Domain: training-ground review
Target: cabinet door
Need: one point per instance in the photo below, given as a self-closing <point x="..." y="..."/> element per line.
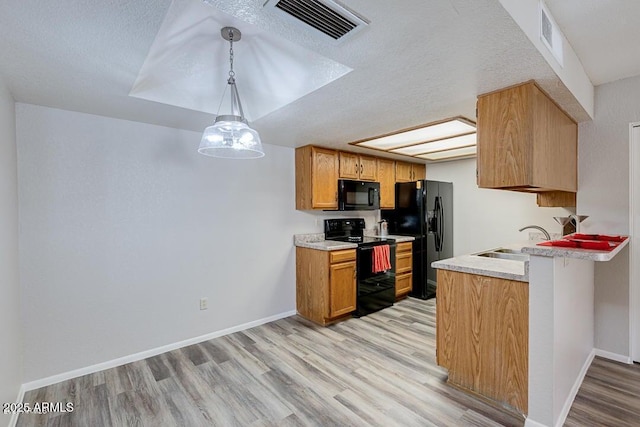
<point x="504" y="134"/>
<point x="404" y="172"/>
<point x="324" y="179"/>
<point x="387" y="179"/>
<point x="368" y="168"/>
<point x="342" y="288"/>
<point x="404" y="283"/>
<point x="349" y="166"/>
<point x="482" y="326"/>
<point x="419" y="171"/>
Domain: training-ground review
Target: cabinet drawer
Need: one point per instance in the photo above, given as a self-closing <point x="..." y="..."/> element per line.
<point x="404" y="246"/>
<point x="341" y="256"/>
<point x="404" y="283"/>
<point x="404" y="262"/>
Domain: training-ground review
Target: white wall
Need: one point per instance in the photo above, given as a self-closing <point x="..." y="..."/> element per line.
<point x="572" y="74"/>
<point x="10" y="319"/>
<point x="561" y="318"/>
<point x="125" y="227"/>
<point x="603" y="194"/>
<point x="483" y="218"/>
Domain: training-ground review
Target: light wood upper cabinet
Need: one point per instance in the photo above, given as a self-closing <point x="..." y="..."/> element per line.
<point x="419" y="171"/>
<point x="325" y="284"/>
<point x="387" y="179"/>
<point x="408" y="172"/>
<point x="318" y="170"/>
<point x="316" y="178"/>
<point x="358" y="167"/>
<point x="368" y="168"/>
<point x="525" y="142"/>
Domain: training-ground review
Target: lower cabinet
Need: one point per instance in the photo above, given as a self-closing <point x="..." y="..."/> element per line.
<point x="482" y="335"/>
<point x="404" y="268"/>
<point x="325" y="284"/>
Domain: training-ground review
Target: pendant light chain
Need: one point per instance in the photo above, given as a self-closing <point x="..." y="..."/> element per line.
<point x="231" y="72"/>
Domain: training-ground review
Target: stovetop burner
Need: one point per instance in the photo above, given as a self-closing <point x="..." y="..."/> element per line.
<point x="351" y="230"/>
<point x="361" y="239"/>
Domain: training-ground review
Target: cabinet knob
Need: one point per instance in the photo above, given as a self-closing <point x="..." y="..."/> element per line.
<point x="360" y="168"/>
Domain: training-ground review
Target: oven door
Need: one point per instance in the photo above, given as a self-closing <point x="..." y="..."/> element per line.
<point x="358" y="195"/>
<point x="375" y="290"/>
<point x="365" y="264"/>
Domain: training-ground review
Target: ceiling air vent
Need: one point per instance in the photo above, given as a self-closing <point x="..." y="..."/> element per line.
<point x="550" y="34"/>
<point x="325" y="16"/>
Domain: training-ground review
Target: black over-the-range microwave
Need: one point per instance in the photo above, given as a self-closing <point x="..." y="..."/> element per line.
<point x="358" y="195"/>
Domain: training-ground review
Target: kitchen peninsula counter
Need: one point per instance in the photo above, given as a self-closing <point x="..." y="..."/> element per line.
<point x="575" y="253"/>
<point x="541" y="333"/>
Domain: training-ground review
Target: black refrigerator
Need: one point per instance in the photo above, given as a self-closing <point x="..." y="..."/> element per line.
<point x="424" y="210"/>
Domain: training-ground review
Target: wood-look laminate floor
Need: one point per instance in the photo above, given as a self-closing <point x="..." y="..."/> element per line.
<point x="377" y="370"/>
<point x="609" y="396"/>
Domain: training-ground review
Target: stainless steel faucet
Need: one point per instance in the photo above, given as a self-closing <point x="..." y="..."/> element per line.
<point x="537" y="227"/>
<point x="577" y="219"/>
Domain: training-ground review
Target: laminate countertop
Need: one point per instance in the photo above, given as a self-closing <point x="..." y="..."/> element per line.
<point x="492" y="267"/>
<point x="586" y="254"/>
<point x="317" y="241"/>
<point x="519" y="270"/>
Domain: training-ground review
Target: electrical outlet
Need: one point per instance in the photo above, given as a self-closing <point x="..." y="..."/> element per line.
<point x="204" y="303"/>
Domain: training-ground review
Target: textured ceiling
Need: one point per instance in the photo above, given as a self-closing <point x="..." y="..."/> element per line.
<point x="188" y="64"/>
<point x="418" y="61"/>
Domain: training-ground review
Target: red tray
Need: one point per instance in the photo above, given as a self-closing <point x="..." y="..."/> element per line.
<point x="598" y="242"/>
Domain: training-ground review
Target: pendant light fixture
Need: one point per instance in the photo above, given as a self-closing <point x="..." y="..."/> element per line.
<point x="230" y="136"/>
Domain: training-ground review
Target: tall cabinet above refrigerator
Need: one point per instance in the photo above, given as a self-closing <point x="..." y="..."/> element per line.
<point x="424" y="210"/>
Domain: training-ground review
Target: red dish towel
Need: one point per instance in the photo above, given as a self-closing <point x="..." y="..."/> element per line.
<point x="381" y="260"/>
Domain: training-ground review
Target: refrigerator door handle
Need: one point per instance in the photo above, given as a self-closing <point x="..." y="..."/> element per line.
<point x="438" y="233"/>
<point x="441" y="224"/>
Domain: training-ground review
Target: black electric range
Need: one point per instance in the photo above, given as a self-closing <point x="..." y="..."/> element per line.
<point x="375" y="290"/>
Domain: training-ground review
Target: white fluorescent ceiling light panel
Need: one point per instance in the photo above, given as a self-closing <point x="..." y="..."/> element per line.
<point x="188" y="64"/>
<point x="450" y="154"/>
<point x="451" y="138"/>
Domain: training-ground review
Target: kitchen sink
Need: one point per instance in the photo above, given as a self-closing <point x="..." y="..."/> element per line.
<point x="508" y="251"/>
<point x="503" y="254"/>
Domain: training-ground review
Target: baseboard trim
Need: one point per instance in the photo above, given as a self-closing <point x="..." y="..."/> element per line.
<point x="14" y="417"/>
<point x="530" y="423"/>
<point x="32" y="385"/>
<point x="614" y="356"/>
<point x="574" y="390"/>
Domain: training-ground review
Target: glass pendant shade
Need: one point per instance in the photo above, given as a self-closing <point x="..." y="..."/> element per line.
<point x="230" y="136"/>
